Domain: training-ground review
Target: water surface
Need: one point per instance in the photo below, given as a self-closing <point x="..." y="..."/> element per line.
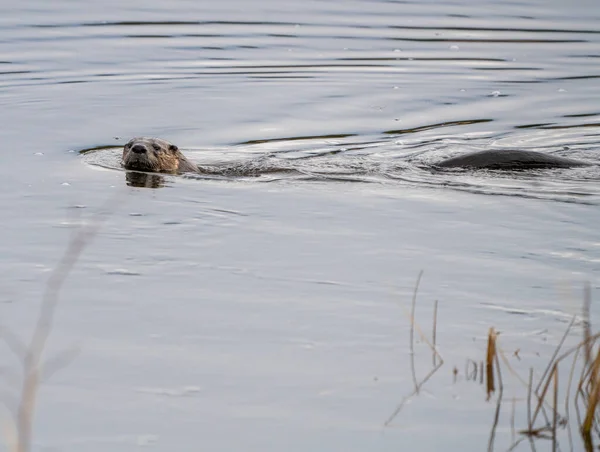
<point x="262" y="306"/>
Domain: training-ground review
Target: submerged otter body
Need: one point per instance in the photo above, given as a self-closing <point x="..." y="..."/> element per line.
<point x="155" y="155"/>
<point x="509" y="160"/>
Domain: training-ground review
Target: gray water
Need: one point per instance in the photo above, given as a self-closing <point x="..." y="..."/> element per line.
<point x="263" y="307"/>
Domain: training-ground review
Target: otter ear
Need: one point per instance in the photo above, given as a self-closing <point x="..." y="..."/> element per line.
<point x="173" y="148"/>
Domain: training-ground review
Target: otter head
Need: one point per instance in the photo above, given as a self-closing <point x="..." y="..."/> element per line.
<point x="152" y="155"/>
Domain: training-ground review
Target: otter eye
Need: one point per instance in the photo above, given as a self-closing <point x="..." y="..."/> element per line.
<point x="173" y="148"/>
<point x="156" y="147"/>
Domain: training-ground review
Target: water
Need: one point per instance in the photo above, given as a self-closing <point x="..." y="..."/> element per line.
<point x="263" y="307"/>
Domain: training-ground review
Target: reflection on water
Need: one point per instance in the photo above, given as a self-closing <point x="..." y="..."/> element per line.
<point x="144" y="180"/>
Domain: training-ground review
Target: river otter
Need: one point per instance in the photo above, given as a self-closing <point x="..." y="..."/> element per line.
<point x="155" y="155"/>
<point x="507" y="159"/>
<point x="160" y="156"/>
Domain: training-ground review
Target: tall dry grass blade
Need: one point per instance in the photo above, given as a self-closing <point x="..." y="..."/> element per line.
<point x="587" y="329"/>
<point x="593" y="401"/>
<point x="555" y="354"/>
<point x="418" y="385"/>
<point x="579" y="406"/>
<point x="580" y="392"/>
<point x="541" y="398"/>
<point x="489" y="362"/>
<point x="592" y="339"/>
<point x="32" y="355"/>
<point x="589" y="385"/>
<point x="498" y="403"/>
<point x="550" y="367"/>
<point x="567" y="397"/>
<point x="529" y="418"/>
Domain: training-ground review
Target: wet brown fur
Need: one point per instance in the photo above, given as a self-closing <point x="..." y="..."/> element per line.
<point x="156" y="156"/>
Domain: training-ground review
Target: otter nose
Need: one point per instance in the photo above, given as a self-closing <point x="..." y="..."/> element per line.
<point x="138" y="149"/>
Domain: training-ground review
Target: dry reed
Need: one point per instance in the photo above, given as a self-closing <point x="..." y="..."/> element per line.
<point x="18" y="426"/>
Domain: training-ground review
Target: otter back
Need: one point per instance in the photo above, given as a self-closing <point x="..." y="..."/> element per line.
<point x="509" y="160"/>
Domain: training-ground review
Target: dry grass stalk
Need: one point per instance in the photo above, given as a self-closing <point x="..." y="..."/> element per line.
<point x="412" y="331"/>
<point x="585" y="357"/>
<point x="542" y="397"/>
<point x="567" y="397"/>
<point x="593" y="380"/>
<point x="440" y="361"/>
<point x="489" y="362"/>
<point x="18" y="430"/>
<point x="494" y="360"/>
